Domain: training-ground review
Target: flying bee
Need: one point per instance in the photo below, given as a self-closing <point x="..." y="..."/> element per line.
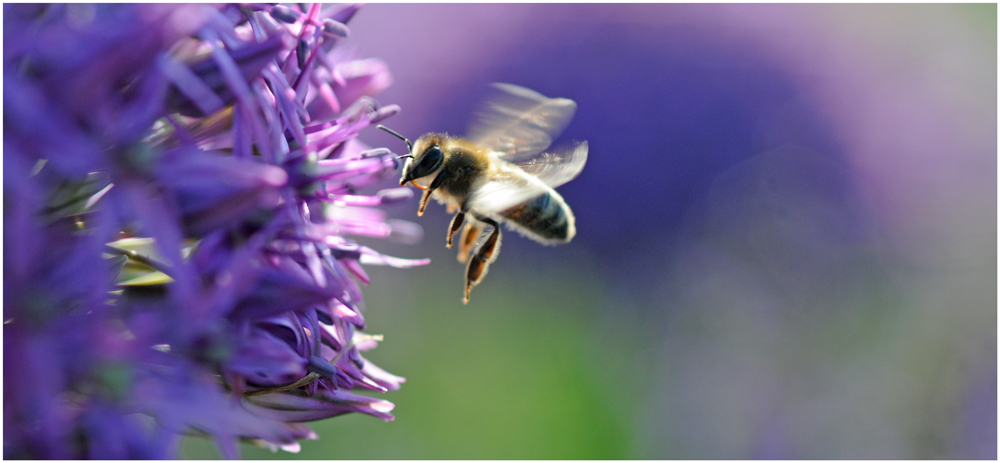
<point x="500" y="173"/>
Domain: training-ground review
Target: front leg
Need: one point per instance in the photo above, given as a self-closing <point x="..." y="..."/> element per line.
<point x="427" y="192"/>
<point x="480" y="262"/>
<point x="423" y="202"/>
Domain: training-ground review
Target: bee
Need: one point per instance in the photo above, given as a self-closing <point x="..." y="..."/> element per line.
<point x="500" y="173"/>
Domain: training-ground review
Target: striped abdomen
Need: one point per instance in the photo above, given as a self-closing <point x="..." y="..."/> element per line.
<point x="546" y="218"/>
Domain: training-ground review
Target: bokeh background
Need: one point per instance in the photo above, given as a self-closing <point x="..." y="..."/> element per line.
<point x="786" y="239"/>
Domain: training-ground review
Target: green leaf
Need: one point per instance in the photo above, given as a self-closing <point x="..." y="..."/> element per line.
<point x="117" y="263"/>
<point x="144" y="246"/>
<point x="73" y="198"/>
<point x="152" y="278"/>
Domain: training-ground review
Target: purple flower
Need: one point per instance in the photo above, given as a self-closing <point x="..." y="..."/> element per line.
<point x="181" y="183"/>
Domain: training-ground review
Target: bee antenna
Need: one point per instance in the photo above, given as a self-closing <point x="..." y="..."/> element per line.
<point x="393" y="132"/>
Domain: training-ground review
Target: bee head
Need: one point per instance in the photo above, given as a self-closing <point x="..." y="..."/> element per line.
<point x="426" y="159"/>
<point x="423" y="162"/>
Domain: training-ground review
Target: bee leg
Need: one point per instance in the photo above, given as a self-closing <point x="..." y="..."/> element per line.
<point x="423" y="201"/>
<point x="430" y="189"/>
<point x="480" y="262"/>
<point x="470" y="234"/>
<point x="456" y="222"/>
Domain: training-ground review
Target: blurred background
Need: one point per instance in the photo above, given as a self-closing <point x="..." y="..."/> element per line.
<point x="786" y="239"/>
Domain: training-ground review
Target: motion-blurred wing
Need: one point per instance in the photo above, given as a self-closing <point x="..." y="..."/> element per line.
<point x="507" y="189"/>
<point x="557" y="167"/>
<point x="518" y="123"/>
<point x="511" y="186"/>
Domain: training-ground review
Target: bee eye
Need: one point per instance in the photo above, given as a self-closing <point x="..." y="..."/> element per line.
<point x="429" y="162"/>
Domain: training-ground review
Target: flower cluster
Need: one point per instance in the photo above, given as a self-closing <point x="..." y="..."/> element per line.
<point x="179" y="185"/>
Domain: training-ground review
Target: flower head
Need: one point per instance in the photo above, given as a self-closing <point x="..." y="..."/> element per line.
<point x="176" y="226"/>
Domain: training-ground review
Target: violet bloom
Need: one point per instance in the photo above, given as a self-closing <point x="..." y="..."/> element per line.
<point x="180" y="182"/>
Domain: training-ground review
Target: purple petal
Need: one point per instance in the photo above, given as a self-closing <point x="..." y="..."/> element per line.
<point x="335" y="28"/>
<point x="189" y="89"/>
<point x="355" y="268"/>
<point x="343" y="12"/>
<point x="367" y="77"/>
<point x="266" y="360"/>
<point x="381" y="377"/>
<point x="42" y="130"/>
<point x="202" y="88"/>
<point x="280" y="291"/>
<point x="214" y="190"/>
<point x="23" y="232"/>
<point x="295" y="407"/>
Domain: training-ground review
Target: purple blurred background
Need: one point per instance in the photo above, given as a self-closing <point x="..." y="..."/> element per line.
<point x="786" y="224"/>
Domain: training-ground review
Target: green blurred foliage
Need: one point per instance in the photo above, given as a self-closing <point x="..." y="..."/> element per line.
<point x="982" y="16"/>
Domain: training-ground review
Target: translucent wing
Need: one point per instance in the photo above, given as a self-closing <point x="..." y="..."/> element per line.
<point x="507" y="188"/>
<point x="518" y="123"/>
<point x="557" y="167"/>
<point x="514" y="184"/>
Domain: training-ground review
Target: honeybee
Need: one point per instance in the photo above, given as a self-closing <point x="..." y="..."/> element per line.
<point x="500" y="173"/>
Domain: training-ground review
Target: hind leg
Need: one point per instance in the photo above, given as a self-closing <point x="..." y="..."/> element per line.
<point x="480" y="261"/>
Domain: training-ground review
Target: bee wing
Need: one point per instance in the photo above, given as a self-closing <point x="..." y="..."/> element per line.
<point x="507" y="188"/>
<point x="510" y="186"/>
<point x="557" y="167"/>
<point x="519" y="123"/>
